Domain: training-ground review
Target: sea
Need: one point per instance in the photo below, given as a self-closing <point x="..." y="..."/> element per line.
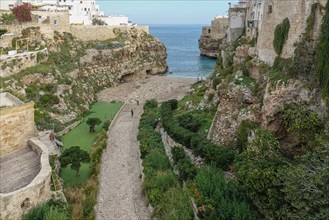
<point x="183" y="55"/>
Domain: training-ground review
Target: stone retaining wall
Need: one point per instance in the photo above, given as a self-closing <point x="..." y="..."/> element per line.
<point x="16" y="203"/>
<point x="16" y="127"/>
<point x="12" y="64"/>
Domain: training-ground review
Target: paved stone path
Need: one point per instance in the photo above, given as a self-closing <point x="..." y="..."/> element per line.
<point x="120" y="180"/>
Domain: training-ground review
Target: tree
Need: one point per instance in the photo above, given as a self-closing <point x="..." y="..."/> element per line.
<point x="74" y="156"/>
<point x="92" y="122"/>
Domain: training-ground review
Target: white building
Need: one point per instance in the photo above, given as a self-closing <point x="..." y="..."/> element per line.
<point x="81" y="11"/>
<point x="6" y="5"/>
<point x="236" y="20"/>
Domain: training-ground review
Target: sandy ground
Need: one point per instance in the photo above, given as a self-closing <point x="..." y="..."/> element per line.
<point x="120" y="194"/>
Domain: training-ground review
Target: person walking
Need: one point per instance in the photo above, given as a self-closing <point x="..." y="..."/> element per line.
<point x="132" y="113"/>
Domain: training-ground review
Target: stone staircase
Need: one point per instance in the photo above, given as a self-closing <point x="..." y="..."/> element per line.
<point x="18" y="169"/>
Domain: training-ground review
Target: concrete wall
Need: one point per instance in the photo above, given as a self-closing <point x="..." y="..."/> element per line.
<point x="236" y="23"/>
<point x="16" y="203"/>
<point x="297" y="11"/>
<point x="12" y="64"/>
<point x="114" y="20"/>
<point x="86" y="33"/>
<point x="16" y="127"/>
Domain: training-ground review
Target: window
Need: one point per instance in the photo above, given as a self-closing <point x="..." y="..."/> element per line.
<point x="55" y="22"/>
<point x="270" y="9"/>
<point x="208" y="31"/>
<point x="80" y="2"/>
<point x="69" y="8"/>
<point x="85" y="9"/>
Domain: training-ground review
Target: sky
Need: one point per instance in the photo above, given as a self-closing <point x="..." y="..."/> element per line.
<point x="166" y="11"/>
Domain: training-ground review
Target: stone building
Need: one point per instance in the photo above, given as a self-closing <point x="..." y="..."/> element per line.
<point x="212" y="36"/>
<point x="25" y="170"/>
<point x="236" y="20"/>
<point x="273" y="13"/>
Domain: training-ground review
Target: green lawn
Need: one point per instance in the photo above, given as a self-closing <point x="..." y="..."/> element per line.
<point x="81" y="137"/>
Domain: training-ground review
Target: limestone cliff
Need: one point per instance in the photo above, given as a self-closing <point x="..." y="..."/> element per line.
<point x="64" y="86"/>
<point x="211" y="38"/>
<point x="209" y="46"/>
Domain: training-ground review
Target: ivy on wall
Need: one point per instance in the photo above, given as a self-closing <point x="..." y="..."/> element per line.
<point x="281" y="35"/>
<point x="322" y="53"/>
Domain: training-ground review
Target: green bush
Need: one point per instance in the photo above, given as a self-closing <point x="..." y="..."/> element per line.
<point x="151" y="104"/>
<point x="220" y="197"/>
<point x="215" y="82"/>
<point x="175" y="204"/>
<point x="281" y="35"/>
<point x="221" y="156"/>
<point x="190" y="122"/>
<point x="46" y="211"/>
<point x="186" y="168"/>
<point x="48" y="99"/>
<point x="3" y="31"/>
<point x="257" y="171"/>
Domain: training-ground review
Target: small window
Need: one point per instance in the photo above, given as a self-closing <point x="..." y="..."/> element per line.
<point x="60" y="0"/>
<point x="69" y="8"/>
<point x="270" y="9"/>
<point x="55" y="22"/>
<point x="208" y="31"/>
<point x="64" y="0"/>
<point x="85" y="9"/>
<point x="80" y="2"/>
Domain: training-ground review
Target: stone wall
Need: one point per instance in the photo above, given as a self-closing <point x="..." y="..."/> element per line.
<point x="12" y="64"/>
<point x="16" y="127"/>
<point x="86" y="33"/>
<point x="297" y="11"/>
<point x="16" y="203"/>
<point x="236" y="23"/>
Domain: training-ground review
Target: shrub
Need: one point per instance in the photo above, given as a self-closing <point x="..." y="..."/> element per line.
<point x="257" y="171"/>
<point x="151" y="104"/>
<point x="221" y="156"/>
<point x="8" y="18"/>
<point x="219" y="198"/>
<point x="189" y="122"/>
<point x="281" y="35"/>
<point x="175" y="204"/>
<point x="3" y="31"/>
<point x="186" y="168"/>
<point x="22" y="13"/>
<point x="215" y="82"/>
<point x="48" y="99"/>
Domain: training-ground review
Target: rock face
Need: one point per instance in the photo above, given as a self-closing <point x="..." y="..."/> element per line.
<point x="209" y="47"/>
<point x="212" y="37"/>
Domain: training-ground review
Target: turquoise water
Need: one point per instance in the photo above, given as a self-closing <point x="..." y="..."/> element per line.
<point x="184" y="58"/>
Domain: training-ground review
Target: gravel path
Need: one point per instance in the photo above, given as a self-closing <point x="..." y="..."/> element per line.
<point x="120" y="180"/>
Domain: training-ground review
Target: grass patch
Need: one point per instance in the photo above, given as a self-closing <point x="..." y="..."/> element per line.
<point x="80" y="136"/>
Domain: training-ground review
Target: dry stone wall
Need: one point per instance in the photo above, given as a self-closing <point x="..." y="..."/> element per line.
<point x="12" y="64"/>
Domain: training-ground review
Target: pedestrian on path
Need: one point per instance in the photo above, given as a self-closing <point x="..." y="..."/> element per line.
<point x="132" y="113"/>
<point x="137" y="101"/>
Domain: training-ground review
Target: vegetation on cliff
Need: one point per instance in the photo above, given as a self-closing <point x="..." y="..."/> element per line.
<point x="322" y="54"/>
<point x="281" y="35"/>
<point x="64" y="86"/>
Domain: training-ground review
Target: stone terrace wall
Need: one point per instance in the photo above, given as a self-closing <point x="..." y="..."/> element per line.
<point x="297" y="11"/>
<point x="16" y="127"/>
<point x="16" y="203"/>
<point x="12" y="64"/>
<point x="86" y="33"/>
